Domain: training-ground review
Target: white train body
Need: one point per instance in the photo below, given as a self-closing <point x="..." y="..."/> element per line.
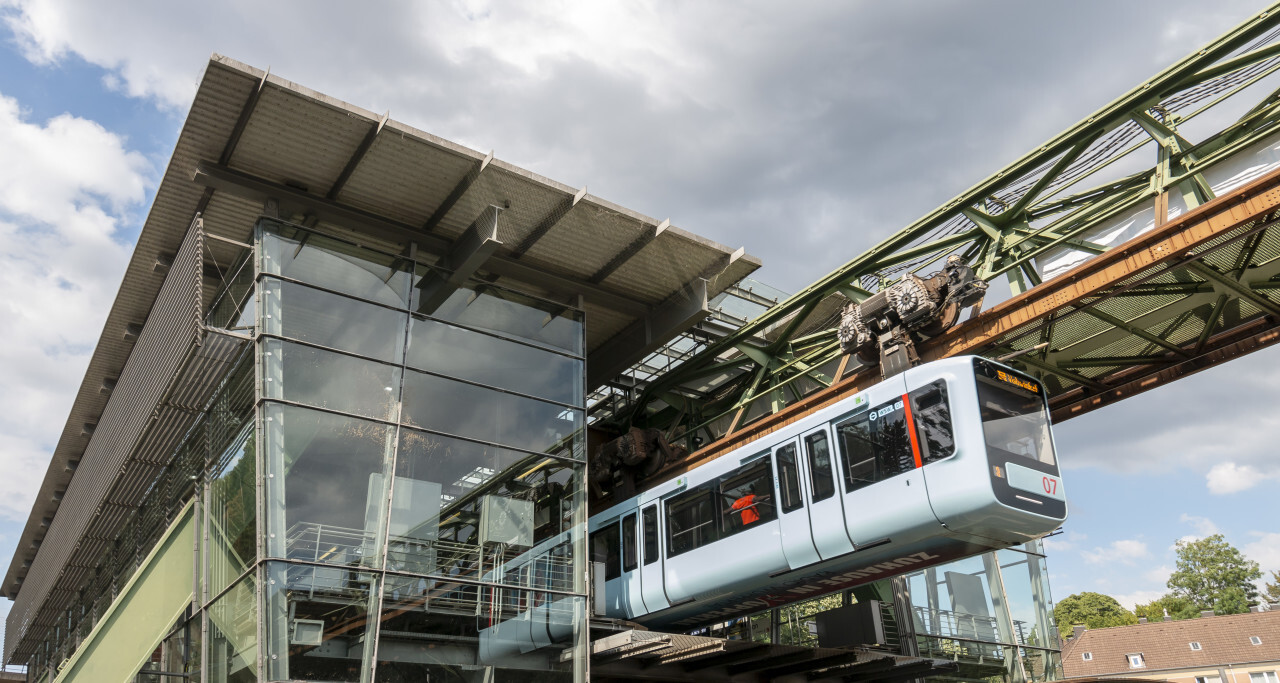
<point x="946" y="460"/>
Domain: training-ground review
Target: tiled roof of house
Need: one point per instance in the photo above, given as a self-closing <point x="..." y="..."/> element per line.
<point x="1167" y="644"/>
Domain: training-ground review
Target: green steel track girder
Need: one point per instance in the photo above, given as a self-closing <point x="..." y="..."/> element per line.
<point x="1047" y="201"/>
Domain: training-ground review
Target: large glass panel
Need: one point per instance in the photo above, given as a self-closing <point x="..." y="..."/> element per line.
<point x="302" y="255"/>
<point x="442" y="630"/>
<point x="233" y="635"/>
<point x="472" y="510"/>
<point x="311" y="315"/>
<point x="461" y="409"/>
<point x="325" y="489"/>
<point x="176" y="657"/>
<point x="954" y="600"/>
<point x="232" y="526"/>
<point x="304" y="374"/>
<point x="450" y="350"/>
<point x="317" y="622"/>
<point x="487" y="307"/>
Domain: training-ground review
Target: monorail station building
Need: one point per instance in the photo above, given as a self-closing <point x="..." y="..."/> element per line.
<point x="343" y="397"/>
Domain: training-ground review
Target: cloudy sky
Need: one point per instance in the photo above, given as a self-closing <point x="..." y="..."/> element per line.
<point x="806" y="131"/>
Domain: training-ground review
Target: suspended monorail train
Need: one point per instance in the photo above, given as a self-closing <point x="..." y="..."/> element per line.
<point x="943" y="461"/>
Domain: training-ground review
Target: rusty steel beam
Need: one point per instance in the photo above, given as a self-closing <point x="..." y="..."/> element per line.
<point x="1254" y="336"/>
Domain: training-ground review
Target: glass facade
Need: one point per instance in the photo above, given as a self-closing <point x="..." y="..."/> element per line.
<point x="992" y="614"/>
<point x="423" y="504"/>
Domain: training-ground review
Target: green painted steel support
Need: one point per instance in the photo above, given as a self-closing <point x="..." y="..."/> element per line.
<point x="1048" y="201"/>
<point x="159" y="591"/>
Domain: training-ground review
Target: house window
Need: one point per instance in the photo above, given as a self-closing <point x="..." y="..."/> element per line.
<point x="1135" y="661"/>
<point x="1088" y="656"/>
<point x="1262" y="677"/>
<point x="1208" y="679"/>
<point x="1255" y="640"/>
<point x="1195" y="646"/>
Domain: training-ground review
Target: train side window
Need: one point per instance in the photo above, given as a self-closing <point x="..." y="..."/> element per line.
<point x="606" y="547"/>
<point x="691" y="520"/>
<point x="650" y="518"/>
<point x="629" y="550"/>
<point x="874" y="445"/>
<point x="746" y="498"/>
<point x="824" y="486"/>
<point x="789" y="478"/>
<point x="932" y="414"/>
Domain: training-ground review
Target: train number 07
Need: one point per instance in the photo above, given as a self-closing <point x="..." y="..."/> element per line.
<point x="1050" y="485"/>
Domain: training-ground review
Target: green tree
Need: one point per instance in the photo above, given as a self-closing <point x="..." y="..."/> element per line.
<point x="1271" y="591"/>
<point x="1177" y="608"/>
<point x="1212" y="574"/>
<point x="1094" y="610"/>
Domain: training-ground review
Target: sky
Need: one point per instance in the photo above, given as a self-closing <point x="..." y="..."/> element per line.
<point x="804" y="131"/>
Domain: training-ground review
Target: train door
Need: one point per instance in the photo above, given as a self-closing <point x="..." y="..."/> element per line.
<point x="879" y="455"/>
<point x="606" y="554"/>
<point x="830" y="536"/>
<point x="652" y="590"/>
<point x="631" y="580"/>
<point x="793" y="514"/>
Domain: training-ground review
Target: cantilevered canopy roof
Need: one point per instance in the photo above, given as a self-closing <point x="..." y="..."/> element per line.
<point x="254" y="142"/>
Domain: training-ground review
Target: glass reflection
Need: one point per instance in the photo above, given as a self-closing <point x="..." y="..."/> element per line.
<point x="317" y="622"/>
<point x="478" y="357"/>
<point x="299" y="312"/>
<point x="315" y="259"/>
<point x="232" y="527"/>
<point x="447" y="630"/>
<point x="232" y="639"/>
<point x="325" y="490"/>
<point x="487" y="307"/>
<point x="325" y="379"/>
<point x="480" y="512"/>
<point x="445" y="405"/>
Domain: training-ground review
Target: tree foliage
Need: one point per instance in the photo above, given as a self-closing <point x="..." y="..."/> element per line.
<point x="1213" y="574"/>
<point x="1271" y="591"/>
<point x="1177" y="608"/>
<point x="1093" y="610"/>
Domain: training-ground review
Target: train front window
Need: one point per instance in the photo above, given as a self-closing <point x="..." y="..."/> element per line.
<point x="1014" y="420"/>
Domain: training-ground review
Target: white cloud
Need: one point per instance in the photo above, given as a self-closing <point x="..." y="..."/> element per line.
<point x="1067" y="540"/>
<point x="1135" y="598"/>
<point x="1157" y="574"/>
<point x="64" y="186"/>
<point x="1228" y="477"/>
<point x="1265" y="550"/>
<point x="1203" y="525"/>
<point x="1126" y="551"/>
